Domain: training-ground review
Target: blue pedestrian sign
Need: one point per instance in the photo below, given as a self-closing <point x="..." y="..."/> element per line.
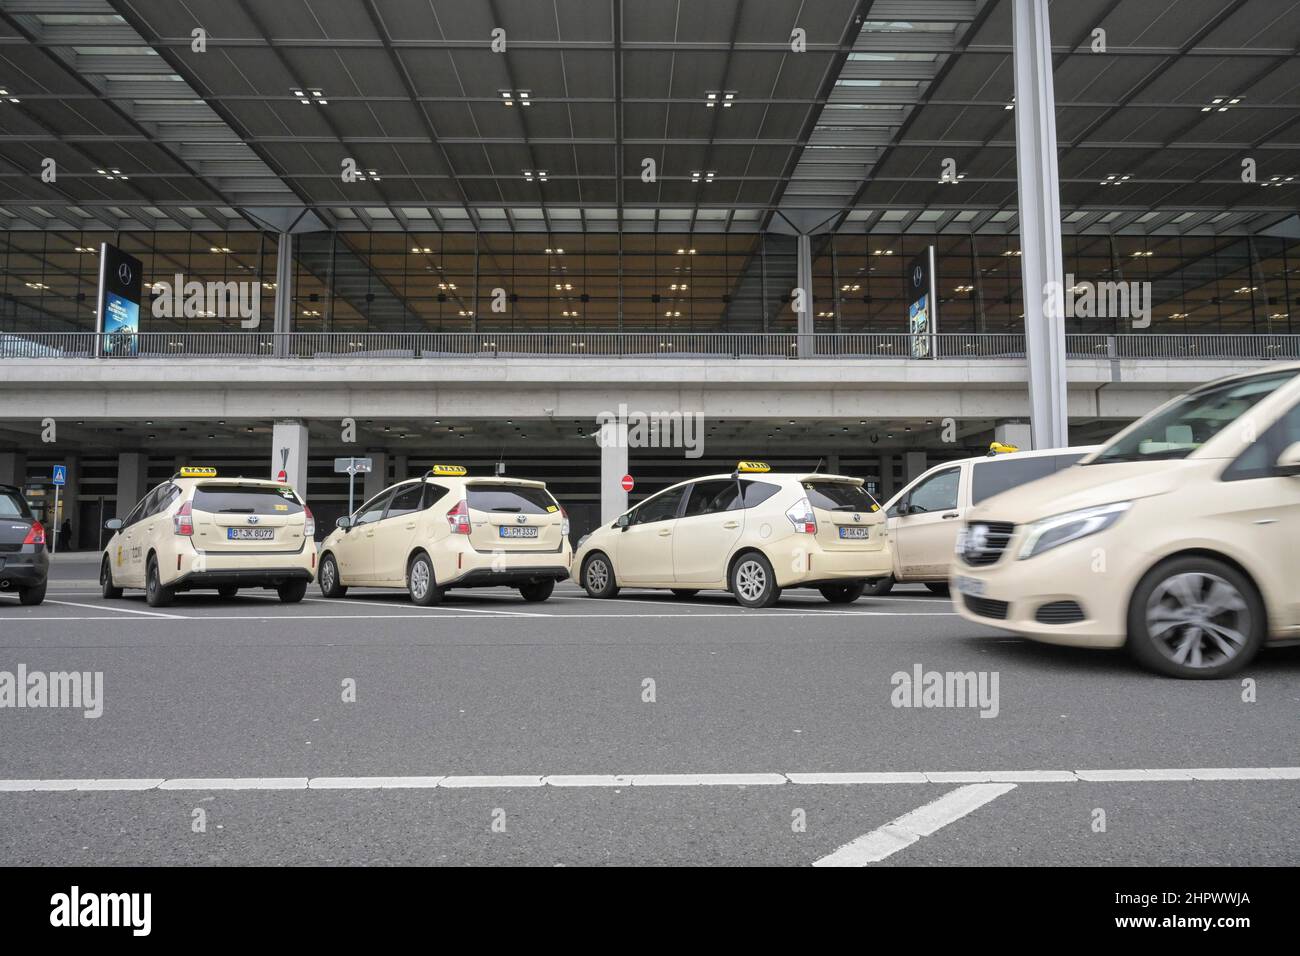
<point x="60" y="475"/>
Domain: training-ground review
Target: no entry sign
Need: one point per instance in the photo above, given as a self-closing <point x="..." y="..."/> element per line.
<point x="627" y="483"/>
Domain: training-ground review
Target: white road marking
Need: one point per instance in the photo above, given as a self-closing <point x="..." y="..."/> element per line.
<point x="1004" y="779"/>
<point x="910" y="827"/>
<point x="431" y="607"/>
<point x="121" y="610"/>
<point x="457" y="614"/>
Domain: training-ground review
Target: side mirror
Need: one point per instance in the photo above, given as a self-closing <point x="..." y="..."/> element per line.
<point x="113" y="524"/>
<point x="345" y="522"/>
<point x="1288" y="463"/>
<point x="623" y="521"/>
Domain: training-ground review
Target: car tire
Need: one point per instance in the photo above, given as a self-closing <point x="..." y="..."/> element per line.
<point x="536" y="591"/>
<point x="1225" y="621"/>
<point x="753" y="582"/>
<point x="106" y="588"/>
<point x="33" y="595"/>
<point x="879" y="587"/>
<point x="228" y="591"/>
<point x="937" y="587"/>
<point x="328" y="578"/>
<point x="420" y="582"/>
<point x="843" y="593"/>
<point x="155" y="594"/>
<point x="686" y="593"/>
<point x="598" y="576"/>
<point x="291" y="592"/>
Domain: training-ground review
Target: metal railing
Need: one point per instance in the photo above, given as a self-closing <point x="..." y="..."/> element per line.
<point x="632" y="345"/>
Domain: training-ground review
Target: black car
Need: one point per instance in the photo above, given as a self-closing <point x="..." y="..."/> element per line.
<point x="24" y="558"/>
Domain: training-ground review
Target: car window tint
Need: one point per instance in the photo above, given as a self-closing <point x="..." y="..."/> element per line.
<point x="936" y="493"/>
<point x="659" y="508"/>
<point x="712" y="497"/>
<point x="1258" y="460"/>
<point x="373" y="509"/>
<point x="756" y="492"/>
<point x="997" y="475"/>
<point x="510" y="499"/>
<point x="838" y="496"/>
<point x="12" y="505"/>
<point x="246" y="500"/>
<point x="406" y="500"/>
<point x="432" y="495"/>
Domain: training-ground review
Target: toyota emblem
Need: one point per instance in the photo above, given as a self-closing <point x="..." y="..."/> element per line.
<point x="521" y="519"/>
<point x="253" y="519"/>
<point x="857" y="518"/>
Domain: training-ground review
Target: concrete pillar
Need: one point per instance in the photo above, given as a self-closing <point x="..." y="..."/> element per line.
<point x="13" y="468"/>
<point x="613" y="466"/>
<point x="282" y="319"/>
<point x="289" y="448"/>
<point x="887" y="487"/>
<point x="913" y="465"/>
<point x="401" y="467"/>
<point x="804" y="328"/>
<point x="832" y="465"/>
<point x="377" y="480"/>
<point x="132" y="480"/>
<point x="1039" y="196"/>
<point x="1013" y="433"/>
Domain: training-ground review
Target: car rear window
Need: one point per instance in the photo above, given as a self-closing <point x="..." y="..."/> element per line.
<point x="997" y="475"/>
<point x="511" y="499"/>
<point x="12" y="505"/>
<point x="246" y="500"/>
<point x="838" y="496"/>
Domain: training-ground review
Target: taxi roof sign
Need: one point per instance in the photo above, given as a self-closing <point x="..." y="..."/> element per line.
<point x="448" y="470"/>
<point x="998" y="448"/>
<point x="191" y="471"/>
<point x="752" y="466"/>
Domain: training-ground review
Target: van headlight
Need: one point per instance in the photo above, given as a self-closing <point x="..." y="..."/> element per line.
<point x="1049" y="532"/>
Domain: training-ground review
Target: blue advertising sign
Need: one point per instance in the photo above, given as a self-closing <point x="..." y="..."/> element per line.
<point x="121" y="285"/>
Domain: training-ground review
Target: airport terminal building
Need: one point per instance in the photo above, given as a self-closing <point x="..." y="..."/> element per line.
<point x="862" y="235"/>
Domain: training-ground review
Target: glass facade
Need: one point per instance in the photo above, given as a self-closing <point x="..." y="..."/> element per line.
<point x="393" y="281"/>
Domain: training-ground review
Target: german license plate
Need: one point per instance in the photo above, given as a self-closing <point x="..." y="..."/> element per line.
<point x="510" y="531"/>
<point x="250" y="534"/>
<point x="971" y="586"/>
<point x="855" y="532"/>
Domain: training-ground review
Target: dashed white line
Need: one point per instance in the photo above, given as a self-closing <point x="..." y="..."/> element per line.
<point x="901" y="833"/>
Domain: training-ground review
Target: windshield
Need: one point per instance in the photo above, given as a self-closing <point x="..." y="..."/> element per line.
<point x="1192" y="420"/>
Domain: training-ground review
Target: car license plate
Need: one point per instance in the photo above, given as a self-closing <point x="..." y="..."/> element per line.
<point x="855" y="532"/>
<point x="509" y="531"/>
<point x="250" y="534"/>
<point x="971" y="586"/>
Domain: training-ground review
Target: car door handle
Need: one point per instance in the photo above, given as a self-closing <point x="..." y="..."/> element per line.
<point x="952" y="514"/>
<point x="732" y="524"/>
<point x="410" y="527"/>
<point x="665" y="533"/>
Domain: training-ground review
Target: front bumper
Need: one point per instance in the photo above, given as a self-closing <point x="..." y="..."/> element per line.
<point x="1093" y="573"/>
<point x="23" y="569"/>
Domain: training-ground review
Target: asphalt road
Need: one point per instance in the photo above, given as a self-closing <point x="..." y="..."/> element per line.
<point x="236" y="708"/>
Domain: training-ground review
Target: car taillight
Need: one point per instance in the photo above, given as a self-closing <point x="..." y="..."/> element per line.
<point x="801" y="516"/>
<point x="35" y="534"/>
<point x="309" y="524"/>
<point x="183" y="520"/>
<point x="458" y="518"/>
<point x="564" y="522"/>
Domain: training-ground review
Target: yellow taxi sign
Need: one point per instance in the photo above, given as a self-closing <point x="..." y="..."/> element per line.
<point x="190" y="471"/>
<point x="752" y="466"/>
<point x="998" y="448"/>
<point x="449" y="470"/>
